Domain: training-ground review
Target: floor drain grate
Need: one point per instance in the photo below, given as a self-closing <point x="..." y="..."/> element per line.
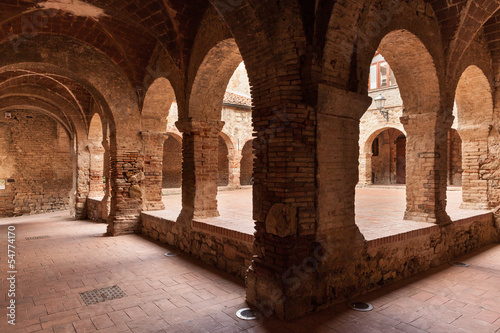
<point x="37" y="237"/>
<point x="102" y="295"/>
<point x="247" y="314"/>
<point x="170" y="254"/>
<point x="460" y="264"/>
<point x="360" y="306"/>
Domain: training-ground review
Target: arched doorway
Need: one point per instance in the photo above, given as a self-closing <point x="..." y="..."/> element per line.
<point x="172" y="162"/>
<point x="223" y="163"/>
<point x="454" y="158"/>
<point x="388" y="157"/>
<point x="246" y="164"/>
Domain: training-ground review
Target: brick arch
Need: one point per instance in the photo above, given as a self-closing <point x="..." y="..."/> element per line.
<point x="379" y="23"/>
<point x="264" y="42"/>
<point x="60" y="109"/>
<point x="415" y="70"/>
<point x="367" y="145"/>
<point x="157" y="103"/>
<point x="474" y="102"/>
<point x="213" y="75"/>
<point x="118" y="103"/>
<point x="472" y="110"/>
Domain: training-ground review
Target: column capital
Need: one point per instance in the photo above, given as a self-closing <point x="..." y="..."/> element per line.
<point x="160" y="136"/>
<point x="198" y="127"/>
<point x="342" y="103"/>
<point x="426" y="120"/>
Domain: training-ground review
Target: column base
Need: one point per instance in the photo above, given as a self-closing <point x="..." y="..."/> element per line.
<point x="154" y="205"/>
<point x="206" y="214"/>
<point x="474" y="205"/>
<point x="440" y="218"/>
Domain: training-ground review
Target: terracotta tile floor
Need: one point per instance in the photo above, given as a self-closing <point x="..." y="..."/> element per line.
<point x="379" y="211"/>
<point x="180" y="295"/>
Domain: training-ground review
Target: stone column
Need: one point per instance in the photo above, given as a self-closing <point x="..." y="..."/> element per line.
<point x="474" y="154"/>
<point x="426" y="167"/>
<point x="234" y="169"/>
<point x="127" y="173"/>
<point x="365" y="169"/>
<point x="200" y="147"/>
<point x="80" y="191"/>
<point x="106" y="200"/>
<point x="153" y="167"/>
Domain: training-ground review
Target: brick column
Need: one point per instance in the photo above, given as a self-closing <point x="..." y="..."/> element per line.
<point x="474" y="154"/>
<point x="127" y="173"/>
<point x="426" y="167"/>
<point x="200" y="147"/>
<point x="153" y="167"/>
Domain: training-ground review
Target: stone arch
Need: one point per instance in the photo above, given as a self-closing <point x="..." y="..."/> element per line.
<point x="382" y="160"/>
<point x="246" y="163"/>
<point x="157" y="103"/>
<point x="415" y="69"/>
<point x="212" y="78"/>
<point x="475" y="118"/>
<point x="172" y="162"/>
<point x="474" y="112"/>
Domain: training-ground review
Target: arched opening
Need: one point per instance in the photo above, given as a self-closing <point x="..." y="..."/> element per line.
<point x="474" y="117"/>
<point x="219" y="119"/>
<point x="454" y="158"/>
<point x="97" y="162"/>
<point x="247" y="157"/>
<point x="388" y="158"/>
<point x="172" y="162"/>
<point x="223" y="163"/>
<point x="161" y="153"/>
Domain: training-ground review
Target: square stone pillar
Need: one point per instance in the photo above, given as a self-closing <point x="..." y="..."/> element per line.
<point x="234" y="169"/>
<point x="200" y="146"/>
<point x="127" y="173"/>
<point x="153" y="167"/>
<point x="81" y="183"/>
<point x="426" y="167"/>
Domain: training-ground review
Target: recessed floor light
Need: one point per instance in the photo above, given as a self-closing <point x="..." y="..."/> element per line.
<point x="460" y="264"/>
<point x="247" y="314"/>
<point x="170" y="254"/>
<point x="360" y="306"/>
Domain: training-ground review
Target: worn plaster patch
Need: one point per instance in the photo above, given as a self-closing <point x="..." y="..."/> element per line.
<point x="282" y="220"/>
<point x="75" y="7"/>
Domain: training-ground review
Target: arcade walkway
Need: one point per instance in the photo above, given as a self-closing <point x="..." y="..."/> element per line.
<point x="57" y="259"/>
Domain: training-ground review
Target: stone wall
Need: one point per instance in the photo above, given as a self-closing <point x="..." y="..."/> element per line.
<point x="36" y="161"/>
<point x="228" y="250"/>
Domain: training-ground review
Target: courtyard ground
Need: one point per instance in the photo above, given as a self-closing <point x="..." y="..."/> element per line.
<point x="58" y="258"/>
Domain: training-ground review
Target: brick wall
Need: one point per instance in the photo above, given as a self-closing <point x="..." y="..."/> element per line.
<point x="36" y="154"/>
